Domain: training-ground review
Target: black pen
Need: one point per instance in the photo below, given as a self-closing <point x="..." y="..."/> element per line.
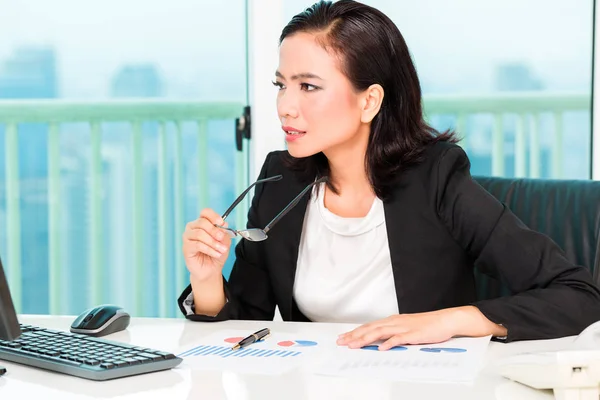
<point x="255" y="337"/>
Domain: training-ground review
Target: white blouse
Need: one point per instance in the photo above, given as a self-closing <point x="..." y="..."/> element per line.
<point x="344" y="270"/>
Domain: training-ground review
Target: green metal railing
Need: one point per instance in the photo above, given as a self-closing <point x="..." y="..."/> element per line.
<point x="135" y="112"/>
<point x="522" y="105"/>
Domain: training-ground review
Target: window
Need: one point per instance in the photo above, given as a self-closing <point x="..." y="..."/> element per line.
<point x="512" y="77"/>
<point x="128" y="133"/>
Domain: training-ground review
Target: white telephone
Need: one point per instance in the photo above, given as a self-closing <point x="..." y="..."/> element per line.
<point x="573" y="373"/>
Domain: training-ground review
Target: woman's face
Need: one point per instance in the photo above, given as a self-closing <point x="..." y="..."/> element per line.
<point x="318" y="108"/>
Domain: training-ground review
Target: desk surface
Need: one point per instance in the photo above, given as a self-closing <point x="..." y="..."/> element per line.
<point x="184" y="383"/>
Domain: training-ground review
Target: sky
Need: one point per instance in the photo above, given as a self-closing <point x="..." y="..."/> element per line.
<point x="193" y="41"/>
<point x="459" y="41"/>
<point x="199" y="45"/>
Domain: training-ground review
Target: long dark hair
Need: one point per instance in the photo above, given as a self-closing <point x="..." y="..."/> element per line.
<point x="373" y="52"/>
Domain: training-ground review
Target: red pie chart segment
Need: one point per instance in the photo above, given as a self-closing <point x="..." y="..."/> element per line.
<point x="234" y="340"/>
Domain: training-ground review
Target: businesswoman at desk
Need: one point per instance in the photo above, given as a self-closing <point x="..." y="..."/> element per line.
<point x="391" y="225"/>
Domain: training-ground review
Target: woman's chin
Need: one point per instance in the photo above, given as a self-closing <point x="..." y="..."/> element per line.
<point x="299" y="152"/>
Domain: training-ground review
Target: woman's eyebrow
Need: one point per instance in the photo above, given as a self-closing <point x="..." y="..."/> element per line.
<point x="304" y="75"/>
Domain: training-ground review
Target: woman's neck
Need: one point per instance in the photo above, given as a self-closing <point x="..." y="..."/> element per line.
<point x="347" y="166"/>
<point x="355" y="196"/>
<point x="349" y="176"/>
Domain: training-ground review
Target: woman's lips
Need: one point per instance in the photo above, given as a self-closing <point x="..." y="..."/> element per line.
<point x="292" y="133"/>
<point x="290" y="137"/>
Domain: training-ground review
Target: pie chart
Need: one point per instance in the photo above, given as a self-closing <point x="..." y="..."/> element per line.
<point x="443" y="349"/>
<point x="297" y="343"/>
<point x="375" y="347"/>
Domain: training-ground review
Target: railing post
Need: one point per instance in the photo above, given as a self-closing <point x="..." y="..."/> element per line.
<point x="178" y="223"/>
<point x="13" y="214"/>
<point x="520" y="148"/>
<point x="461" y="131"/>
<point x="55" y="267"/>
<point x="557" y="148"/>
<point x="96" y="259"/>
<point x="137" y="287"/>
<point x="498" y="146"/>
<point x="202" y="165"/>
<point x="534" y="154"/>
<point x="163" y="264"/>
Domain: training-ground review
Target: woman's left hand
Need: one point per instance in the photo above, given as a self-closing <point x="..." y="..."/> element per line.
<point x="422" y="328"/>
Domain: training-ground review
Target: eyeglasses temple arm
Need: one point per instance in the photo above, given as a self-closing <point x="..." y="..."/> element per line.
<point x="241" y="196"/>
<point x="291" y="205"/>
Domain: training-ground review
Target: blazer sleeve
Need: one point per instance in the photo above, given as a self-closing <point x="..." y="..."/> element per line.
<point x="551" y="297"/>
<point x="248" y="291"/>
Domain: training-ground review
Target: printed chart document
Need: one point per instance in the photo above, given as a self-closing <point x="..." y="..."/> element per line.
<point x="458" y="360"/>
<point x="274" y="355"/>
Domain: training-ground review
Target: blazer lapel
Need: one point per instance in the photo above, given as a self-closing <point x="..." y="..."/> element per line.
<point x="285" y="247"/>
<point x="396" y="215"/>
<point x="292" y="245"/>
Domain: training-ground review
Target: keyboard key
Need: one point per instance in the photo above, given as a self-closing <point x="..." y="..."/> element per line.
<point x="150" y="356"/>
<point x="71" y="362"/>
<point x="165" y="355"/>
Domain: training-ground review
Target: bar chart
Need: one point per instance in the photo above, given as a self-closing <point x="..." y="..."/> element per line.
<point x="224" y="352"/>
<point x="277" y="354"/>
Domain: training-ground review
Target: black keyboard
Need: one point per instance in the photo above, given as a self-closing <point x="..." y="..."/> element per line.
<point x="83" y="356"/>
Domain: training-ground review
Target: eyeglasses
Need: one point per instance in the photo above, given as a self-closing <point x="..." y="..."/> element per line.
<point x="257" y="234"/>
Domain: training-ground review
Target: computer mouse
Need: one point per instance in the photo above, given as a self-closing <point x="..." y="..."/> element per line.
<point x="101" y="320"/>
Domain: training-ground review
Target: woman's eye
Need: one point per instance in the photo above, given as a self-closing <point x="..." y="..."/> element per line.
<point x="307" y="87"/>
<point x="279" y="85"/>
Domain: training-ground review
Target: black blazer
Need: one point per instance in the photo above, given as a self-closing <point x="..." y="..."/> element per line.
<point x="440" y="225"/>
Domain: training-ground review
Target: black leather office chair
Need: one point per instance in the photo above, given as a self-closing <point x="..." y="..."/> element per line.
<point x="568" y="211"/>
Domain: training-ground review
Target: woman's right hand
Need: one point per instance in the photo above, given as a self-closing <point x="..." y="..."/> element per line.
<point x="205" y="247"/>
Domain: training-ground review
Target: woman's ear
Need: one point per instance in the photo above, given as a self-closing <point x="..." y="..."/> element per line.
<point x="372" y="100"/>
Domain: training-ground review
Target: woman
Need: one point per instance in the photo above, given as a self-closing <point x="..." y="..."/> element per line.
<point x="391" y="239"/>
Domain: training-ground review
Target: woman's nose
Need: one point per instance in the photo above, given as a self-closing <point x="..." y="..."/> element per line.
<point x="287" y="106"/>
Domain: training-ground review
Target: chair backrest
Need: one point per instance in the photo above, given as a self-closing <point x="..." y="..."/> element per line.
<point x="568" y="211"/>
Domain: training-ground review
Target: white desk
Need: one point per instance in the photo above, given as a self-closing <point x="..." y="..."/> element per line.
<point x="23" y="382"/>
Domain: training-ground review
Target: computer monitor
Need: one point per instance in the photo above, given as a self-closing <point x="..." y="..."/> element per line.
<point x="9" y="324"/>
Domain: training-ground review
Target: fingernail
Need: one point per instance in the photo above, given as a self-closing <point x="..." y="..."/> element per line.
<point x="221" y="248"/>
<point x="216" y="254"/>
<point x="220" y="221"/>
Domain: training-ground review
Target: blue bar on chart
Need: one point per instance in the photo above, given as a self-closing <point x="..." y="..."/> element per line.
<point x="224" y="352"/>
